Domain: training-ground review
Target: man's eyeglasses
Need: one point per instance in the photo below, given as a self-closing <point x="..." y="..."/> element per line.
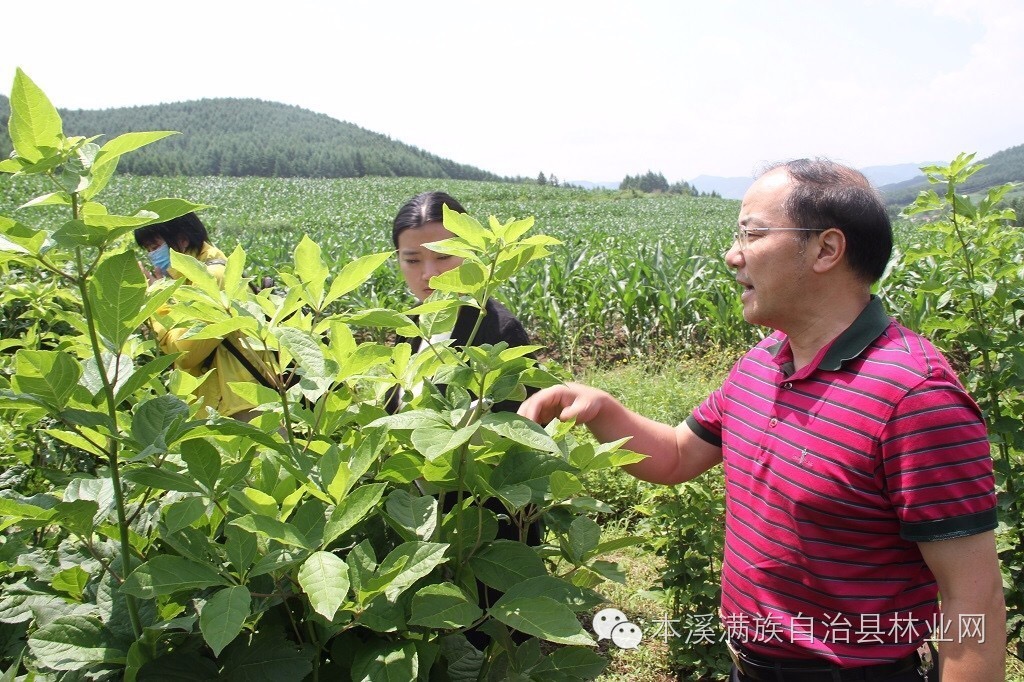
<point x="744" y="234"/>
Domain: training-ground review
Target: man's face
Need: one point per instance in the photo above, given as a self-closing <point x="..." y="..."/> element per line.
<point x="773" y="266"/>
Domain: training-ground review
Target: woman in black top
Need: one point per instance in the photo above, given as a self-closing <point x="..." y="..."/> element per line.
<point x="419" y="222"/>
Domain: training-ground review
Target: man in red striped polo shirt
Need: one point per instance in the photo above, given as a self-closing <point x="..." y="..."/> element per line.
<point x="858" y="476"/>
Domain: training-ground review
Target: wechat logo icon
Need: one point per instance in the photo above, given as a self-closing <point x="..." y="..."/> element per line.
<point x="612" y="624"/>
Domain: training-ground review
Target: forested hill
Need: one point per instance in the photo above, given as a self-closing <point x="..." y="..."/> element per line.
<point x="251" y="137"/>
<point x="1000" y="168"/>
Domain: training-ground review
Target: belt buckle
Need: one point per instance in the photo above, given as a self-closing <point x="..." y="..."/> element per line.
<point x="734" y="654"/>
<point x="926" y="661"/>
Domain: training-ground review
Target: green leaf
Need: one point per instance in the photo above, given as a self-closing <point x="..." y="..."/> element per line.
<point x="75" y="440"/>
<point x="577" y="663"/>
<point x="354" y="274"/>
<point x="413" y="516"/>
<point x="443" y="605"/>
<point x="77" y="516"/>
<point x="305" y="349"/>
<point x="383" y="661"/>
<point x="73" y="642"/>
<point x="520" y="430"/>
<point x="515" y="229"/>
<point x="516" y="496"/>
<point x="311" y="270"/>
<point x="71" y="581"/>
<point x="196" y="274"/>
<point x="166" y="209"/>
<point x="106" y="159"/>
<point x="419" y="559"/>
<point x="465" y="227"/>
<point x="543" y="617"/>
<point x="505" y="563"/>
<point x="257" y="501"/>
<point x="352" y="510"/>
<point x="584" y="536"/>
<point x="183" y="513"/>
<point x="117" y="291"/>
<point x="617" y="543"/>
<point x="218" y="330"/>
<point x="283" y="532"/>
<point x="401" y="468"/>
<point x="11" y="512"/>
<point x="161" y="479"/>
<point x="386" y="319"/>
<point x="269" y="657"/>
<point x="433" y="443"/>
<point x="157" y="421"/>
<point x="564" y="485"/>
<point x="591" y="457"/>
<point x="76" y="233"/>
<point x="46" y="374"/>
<point x="277" y="560"/>
<point x="411" y="420"/>
<point x="591" y="505"/>
<point x="18" y="238"/>
<point x="35" y="127"/>
<point x="324" y="579"/>
<point x="203" y="462"/>
<point x="463" y="660"/>
<point x="167" y="574"/>
<point x="141" y="376"/>
<point x="468" y="278"/>
<point x="576" y="598"/>
<point x="241" y="548"/>
<point x="224" y="615"/>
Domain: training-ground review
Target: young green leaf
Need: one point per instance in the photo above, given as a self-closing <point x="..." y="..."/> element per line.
<point x="324" y="579"/>
<point x="443" y="605"/>
<point x="35" y="126"/>
<point x="543" y="617"/>
<point x="223" y="616"/>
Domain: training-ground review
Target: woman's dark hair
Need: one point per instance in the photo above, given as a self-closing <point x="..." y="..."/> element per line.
<point x="188" y="227"/>
<point x="827" y="194"/>
<point x="422" y="209"/>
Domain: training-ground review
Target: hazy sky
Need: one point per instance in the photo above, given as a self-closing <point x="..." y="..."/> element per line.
<point x="587" y="90"/>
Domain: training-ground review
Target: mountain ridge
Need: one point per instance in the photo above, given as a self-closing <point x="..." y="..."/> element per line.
<point x="253" y="137"/>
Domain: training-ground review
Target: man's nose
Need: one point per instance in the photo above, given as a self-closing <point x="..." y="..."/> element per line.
<point x="734" y="256"/>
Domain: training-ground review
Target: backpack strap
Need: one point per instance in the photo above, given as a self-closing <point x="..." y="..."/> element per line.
<point x="256" y="374"/>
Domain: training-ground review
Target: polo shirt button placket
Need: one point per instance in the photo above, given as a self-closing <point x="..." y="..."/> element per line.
<point x="788" y="385"/>
<point x="773" y="422"/>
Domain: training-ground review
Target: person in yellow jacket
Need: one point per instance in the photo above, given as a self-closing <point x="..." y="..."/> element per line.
<point x="230" y="358"/>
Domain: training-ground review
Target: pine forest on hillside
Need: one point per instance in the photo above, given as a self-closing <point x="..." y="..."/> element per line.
<point x="250" y="137"/>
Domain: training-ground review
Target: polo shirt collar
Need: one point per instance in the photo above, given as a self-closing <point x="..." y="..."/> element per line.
<point x="868" y="326"/>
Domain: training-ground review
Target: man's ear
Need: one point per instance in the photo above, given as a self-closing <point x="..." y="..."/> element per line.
<point x="831" y="246"/>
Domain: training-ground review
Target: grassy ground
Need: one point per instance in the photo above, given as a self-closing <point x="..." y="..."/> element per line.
<point x="668" y="394"/>
<point x="650" y="660"/>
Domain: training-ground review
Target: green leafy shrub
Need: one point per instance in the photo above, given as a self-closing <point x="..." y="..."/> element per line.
<point x="296" y="546"/>
<point x="964" y="287"/>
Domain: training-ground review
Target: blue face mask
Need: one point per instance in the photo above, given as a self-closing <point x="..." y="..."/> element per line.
<point x="160" y="257"/>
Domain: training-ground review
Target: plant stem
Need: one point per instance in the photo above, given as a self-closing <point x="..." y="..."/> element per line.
<point x="112" y="440"/>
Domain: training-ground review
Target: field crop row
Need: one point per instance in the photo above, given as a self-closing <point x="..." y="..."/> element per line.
<point x="636" y="276"/>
